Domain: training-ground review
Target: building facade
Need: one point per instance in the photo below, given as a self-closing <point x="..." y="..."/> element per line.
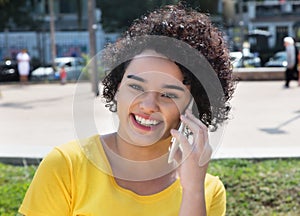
<point x="238" y="18"/>
<point x="71" y="31"/>
<point x="279" y="18"/>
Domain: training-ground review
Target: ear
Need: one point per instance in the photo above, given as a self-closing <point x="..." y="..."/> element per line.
<point x="117" y="92"/>
<point x="116" y="95"/>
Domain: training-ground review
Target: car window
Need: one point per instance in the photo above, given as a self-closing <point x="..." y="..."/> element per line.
<point x="279" y="56"/>
<point x="68" y="64"/>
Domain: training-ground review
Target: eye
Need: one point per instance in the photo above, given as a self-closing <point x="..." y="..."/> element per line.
<point x="136" y="87"/>
<point x="169" y="95"/>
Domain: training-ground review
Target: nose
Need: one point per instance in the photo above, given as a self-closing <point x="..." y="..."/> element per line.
<point x="148" y="102"/>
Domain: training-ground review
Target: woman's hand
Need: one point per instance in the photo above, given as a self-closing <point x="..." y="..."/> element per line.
<point x="194" y="162"/>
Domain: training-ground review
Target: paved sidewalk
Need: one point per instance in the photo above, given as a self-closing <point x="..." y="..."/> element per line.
<point x="265" y="120"/>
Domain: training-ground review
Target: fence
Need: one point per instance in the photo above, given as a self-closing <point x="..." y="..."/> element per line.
<point x="39" y="46"/>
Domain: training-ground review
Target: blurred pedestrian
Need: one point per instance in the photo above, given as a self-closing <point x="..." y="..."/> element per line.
<point x="291" y="72"/>
<point x="63" y="75"/>
<point x="23" y="59"/>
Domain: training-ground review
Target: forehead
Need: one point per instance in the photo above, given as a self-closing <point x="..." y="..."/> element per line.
<point x="153" y="66"/>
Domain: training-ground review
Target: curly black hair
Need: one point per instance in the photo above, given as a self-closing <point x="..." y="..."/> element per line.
<point x="192" y="28"/>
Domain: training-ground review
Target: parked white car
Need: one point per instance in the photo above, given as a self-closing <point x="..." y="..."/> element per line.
<point x="249" y="60"/>
<point x="72" y="65"/>
<point x="278" y="60"/>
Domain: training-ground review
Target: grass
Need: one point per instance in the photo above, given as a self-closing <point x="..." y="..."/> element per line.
<point x="254" y="187"/>
<point x="260" y="187"/>
<point x="14" y="181"/>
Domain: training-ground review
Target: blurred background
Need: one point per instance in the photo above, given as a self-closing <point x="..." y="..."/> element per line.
<point x="52" y="29"/>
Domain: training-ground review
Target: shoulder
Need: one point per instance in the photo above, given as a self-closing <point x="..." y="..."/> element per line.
<point x="215" y="195"/>
<point x="76" y="149"/>
<point x="290" y="48"/>
<point x="214" y="184"/>
<point x="70" y="153"/>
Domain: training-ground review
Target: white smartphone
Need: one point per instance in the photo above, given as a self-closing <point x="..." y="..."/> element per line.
<point x="174" y="141"/>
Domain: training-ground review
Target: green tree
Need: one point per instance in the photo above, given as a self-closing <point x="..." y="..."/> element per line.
<point x="79" y="13"/>
<point x="2" y="2"/>
<point x="118" y="14"/>
<point x="205" y="6"/>
<point x="15" y="13"/>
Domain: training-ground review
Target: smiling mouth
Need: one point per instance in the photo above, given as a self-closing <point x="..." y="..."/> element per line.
<point x="146" y="122"/>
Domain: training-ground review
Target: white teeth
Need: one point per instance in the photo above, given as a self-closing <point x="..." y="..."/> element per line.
<point x="145" y="122"/>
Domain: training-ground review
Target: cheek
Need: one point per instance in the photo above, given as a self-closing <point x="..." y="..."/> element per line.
<point x="125" y="103"/>
<point x="126" y="94"/>
<point x="122" y="104"/>
<point x="172" y="114"/>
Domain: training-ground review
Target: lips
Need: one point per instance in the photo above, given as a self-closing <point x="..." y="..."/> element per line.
<point x="144" y="122"/>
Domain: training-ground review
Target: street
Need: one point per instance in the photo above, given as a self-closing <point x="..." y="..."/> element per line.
<point x="264" y="121"/>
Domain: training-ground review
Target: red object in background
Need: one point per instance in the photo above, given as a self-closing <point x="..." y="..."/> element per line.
<point x="62" y="73"/>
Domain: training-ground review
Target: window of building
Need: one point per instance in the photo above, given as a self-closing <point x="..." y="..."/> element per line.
<point x="66" y="7"/>
<point x="281" y="32"/>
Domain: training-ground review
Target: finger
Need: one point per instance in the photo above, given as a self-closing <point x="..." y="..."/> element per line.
<point x="201" y="144"/>
<point x="203" y="154"/>
<point x="185" y="146"/>
<point x="198" y="131"/>
<point x="191" y="116"/>
<point x="178" y="155"/>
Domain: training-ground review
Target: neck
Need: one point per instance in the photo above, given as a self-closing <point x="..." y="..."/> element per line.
<point x="138" y="163"/>
<point x="140" y="153"/>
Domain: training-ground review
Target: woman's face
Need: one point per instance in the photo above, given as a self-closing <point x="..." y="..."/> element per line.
<point x="150" y="98"/>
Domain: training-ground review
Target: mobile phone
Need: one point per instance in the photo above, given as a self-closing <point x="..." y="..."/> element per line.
<point x="175" y="143"/>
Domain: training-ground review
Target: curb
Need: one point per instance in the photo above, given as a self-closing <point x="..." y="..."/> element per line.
<point x="20" y="161"/>
<point x="259" y="74"/>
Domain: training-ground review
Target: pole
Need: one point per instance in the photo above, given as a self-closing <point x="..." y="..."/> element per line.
<point x="52" y="33"/>
<point x="241" y="23"/>
<point x="6" y="45"/>
<point x="92" y="42"/>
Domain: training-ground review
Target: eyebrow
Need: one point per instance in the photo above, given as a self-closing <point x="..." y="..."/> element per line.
<point x="173" y="87"/>
<point x="130" y="76"/>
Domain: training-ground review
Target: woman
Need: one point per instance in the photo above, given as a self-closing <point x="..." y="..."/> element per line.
<point x="151" y="89"/>
<point x="23" y="65"/>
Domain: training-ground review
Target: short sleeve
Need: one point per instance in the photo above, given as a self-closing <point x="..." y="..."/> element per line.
<point x="50" y="190"/>
<point x="218" y="201"/>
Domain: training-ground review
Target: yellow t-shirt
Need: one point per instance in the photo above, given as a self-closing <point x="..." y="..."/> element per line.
<point x="68" y="183"/>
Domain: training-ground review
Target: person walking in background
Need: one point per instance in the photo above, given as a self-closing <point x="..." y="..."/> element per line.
<point x="63" y="75"/>
<point x="23" y="65"/>
<point x="291" y="72"/>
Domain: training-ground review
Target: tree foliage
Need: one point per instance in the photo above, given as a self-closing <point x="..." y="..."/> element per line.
<point x="2" y="2"/>
<point x="204" y="5"/>
<point x="118" y="14"/>
<point x="15" y="13"/>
